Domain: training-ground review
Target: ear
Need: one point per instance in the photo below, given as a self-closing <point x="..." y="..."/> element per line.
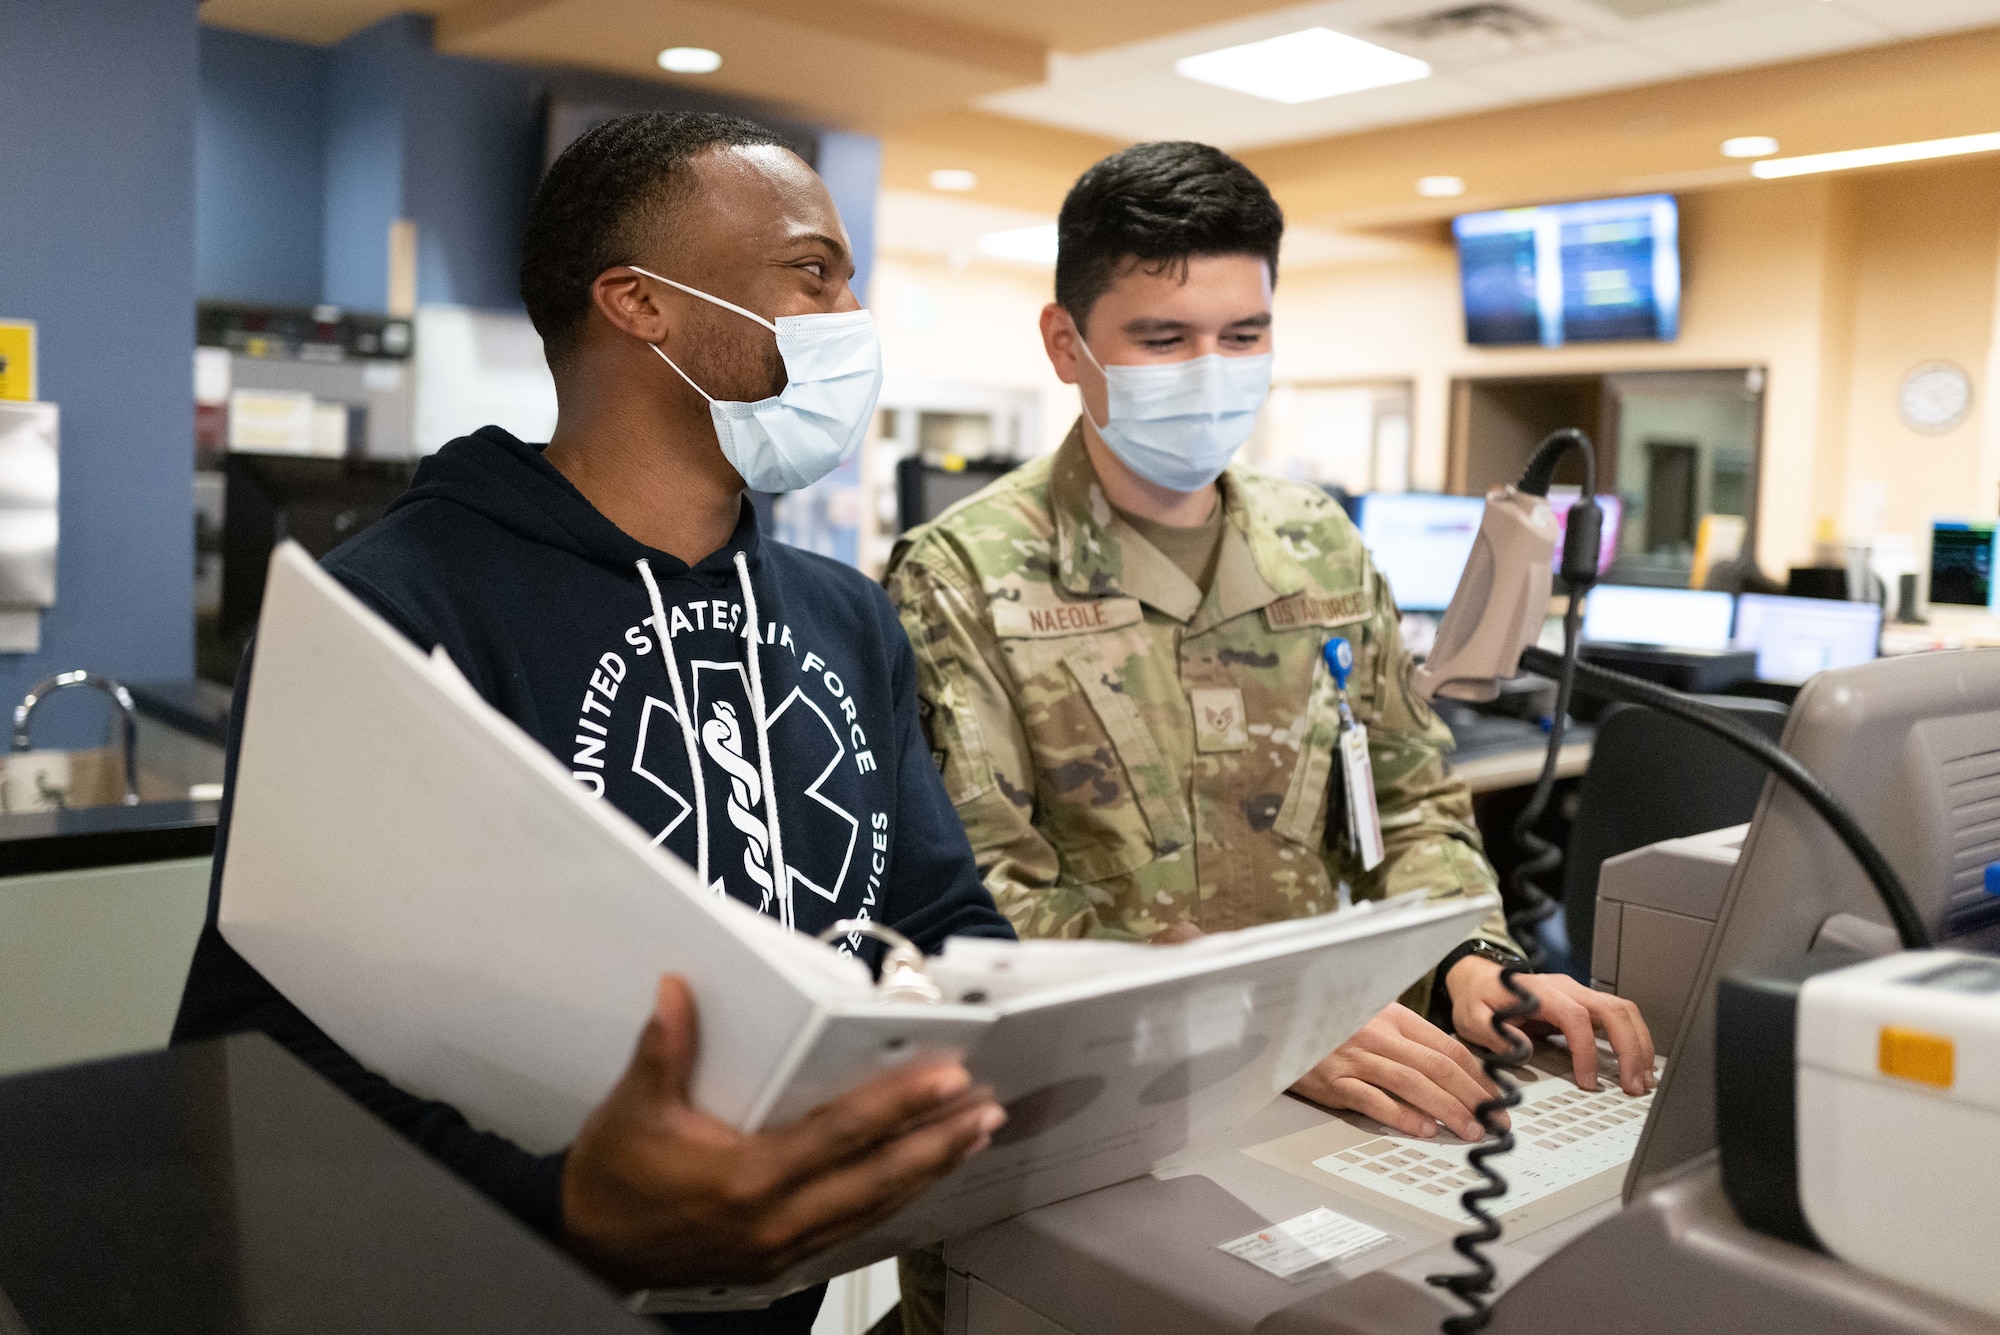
<point x="630" y="303"/>
<point x="1059" y="340"/>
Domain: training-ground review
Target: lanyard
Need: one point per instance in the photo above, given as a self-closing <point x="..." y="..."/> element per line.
<point x="1364" y="818"/>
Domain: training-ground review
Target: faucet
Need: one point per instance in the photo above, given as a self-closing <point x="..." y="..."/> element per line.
<point x="128" y="719"/>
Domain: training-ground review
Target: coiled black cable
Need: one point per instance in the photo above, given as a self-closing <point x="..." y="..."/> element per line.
<point x="1472" y="1287"/>
<point x="1579" y="568"/>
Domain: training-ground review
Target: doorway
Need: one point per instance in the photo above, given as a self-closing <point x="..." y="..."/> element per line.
<point x="1678" y="448"/>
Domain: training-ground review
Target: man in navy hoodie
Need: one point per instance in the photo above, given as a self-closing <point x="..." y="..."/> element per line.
<point x="751" y="706"/>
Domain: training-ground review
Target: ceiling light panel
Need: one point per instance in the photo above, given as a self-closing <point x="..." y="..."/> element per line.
<point x="1848" y="159"/>
<point x="1305" y="66"/>
<point x="1025" y="245"/>
<point x="1749" y="146"/>
<point x="690" y="60"/>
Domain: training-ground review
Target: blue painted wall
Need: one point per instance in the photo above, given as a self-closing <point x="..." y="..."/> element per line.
<point x="97" y="216"/>
<point x="368" y="92"/>
<point x="851" y="165"/>
<point x="259" y="131"/>
<point x="404" y="132"/>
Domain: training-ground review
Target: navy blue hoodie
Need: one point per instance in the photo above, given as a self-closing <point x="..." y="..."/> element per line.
<point x="541" y="602"/>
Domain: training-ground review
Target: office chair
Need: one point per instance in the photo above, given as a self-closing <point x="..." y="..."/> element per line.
<point x="1654" y="777"/>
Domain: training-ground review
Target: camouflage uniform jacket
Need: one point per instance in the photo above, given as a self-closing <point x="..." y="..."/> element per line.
<point x="1129" y="753"/>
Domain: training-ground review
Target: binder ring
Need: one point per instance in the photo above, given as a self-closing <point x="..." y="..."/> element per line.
<point x="902" y="976"/>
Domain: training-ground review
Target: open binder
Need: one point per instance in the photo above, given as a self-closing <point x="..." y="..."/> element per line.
<point x="428" y="884"/>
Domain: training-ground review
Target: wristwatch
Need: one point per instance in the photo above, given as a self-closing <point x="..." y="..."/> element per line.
<point x="1440" y="1007"/>
<point x="1486" y="950"/>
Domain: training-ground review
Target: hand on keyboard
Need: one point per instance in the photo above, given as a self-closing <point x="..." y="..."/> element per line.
<point x="1404" y="1072"/>
<point x="1567" y="1007"/>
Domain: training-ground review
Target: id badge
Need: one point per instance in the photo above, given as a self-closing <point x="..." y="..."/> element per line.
<point x="1364" y="819"/>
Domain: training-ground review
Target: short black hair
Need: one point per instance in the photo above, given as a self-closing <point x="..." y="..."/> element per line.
<point x="1159" y="204"/>
<point x="587" y="212"/>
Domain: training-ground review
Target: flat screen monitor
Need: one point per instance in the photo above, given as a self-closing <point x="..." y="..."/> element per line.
<point x="1560" y="500"/>
<point x="1796" y="638"/>
<point x="1962" y="563"/>
<point x="1421" y="543"/>
<point x="924" y="490"/>
<point x="1668" y="618"/>
<point x="1606" y="270"/>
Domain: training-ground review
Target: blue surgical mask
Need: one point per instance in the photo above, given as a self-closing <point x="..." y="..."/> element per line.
<point x="833" y="374"/>
<point x="1178" y="424"/>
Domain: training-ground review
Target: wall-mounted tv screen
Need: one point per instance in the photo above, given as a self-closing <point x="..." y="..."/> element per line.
<point x="1606" y="270"/>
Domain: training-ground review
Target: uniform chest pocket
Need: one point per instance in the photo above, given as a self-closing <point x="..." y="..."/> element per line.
<point x="1105" y="796"/>
<point x="1303" y="817"/>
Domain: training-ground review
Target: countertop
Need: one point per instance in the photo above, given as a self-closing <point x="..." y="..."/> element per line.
<point x="43" y="841"/>
<point x="224" y="1188"/>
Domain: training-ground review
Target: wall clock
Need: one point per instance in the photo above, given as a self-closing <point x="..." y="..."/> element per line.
<point x="1934" y="398"/>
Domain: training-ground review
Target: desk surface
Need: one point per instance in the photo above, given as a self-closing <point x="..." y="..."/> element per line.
<point x="225" y="1188"/>
<point x="1141" y="1256"/>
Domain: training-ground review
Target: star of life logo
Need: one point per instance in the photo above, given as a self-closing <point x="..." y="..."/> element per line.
<point x="813" y="749"/>
<point x="812" y="730"/>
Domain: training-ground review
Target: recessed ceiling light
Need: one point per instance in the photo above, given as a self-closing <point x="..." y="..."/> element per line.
<point x="690" y="60"/>
<point x="1876" y="157"/>
<point x="1034" y="245"/>
<point x="1303" y="66"/>
<point x="1440" y="187"/>
<point x="1749" y="146"/>
<point x="954" y="178"/>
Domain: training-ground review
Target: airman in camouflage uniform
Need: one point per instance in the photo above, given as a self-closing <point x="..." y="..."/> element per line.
<point x="1131" y="755"/>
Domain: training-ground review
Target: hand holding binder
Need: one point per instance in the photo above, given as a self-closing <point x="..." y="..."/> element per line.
<point x="654" y="1188"/>
<point x="439" y="897"/>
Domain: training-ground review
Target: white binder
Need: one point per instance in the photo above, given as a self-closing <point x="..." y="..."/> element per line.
<point x="428" y="884"/>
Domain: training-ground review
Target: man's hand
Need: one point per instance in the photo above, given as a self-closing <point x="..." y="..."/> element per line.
<point x="656" y="1194"/>
<point x="1404" y="1072"/>
<point x="1568" y="1007"/>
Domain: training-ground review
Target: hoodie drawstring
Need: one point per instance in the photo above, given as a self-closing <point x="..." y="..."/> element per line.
<point x="781" y="878"/>
<point x="687" y="724"/>
<point x="780" y="875"/>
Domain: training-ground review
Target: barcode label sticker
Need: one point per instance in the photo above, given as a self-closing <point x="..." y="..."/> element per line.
<point x="1292" y="1247"/>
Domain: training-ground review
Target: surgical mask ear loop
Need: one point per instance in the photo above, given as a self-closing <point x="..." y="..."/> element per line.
<point x="682" y="374"/>
<point x="717" y="301"/>
<point x="1105" y="375"/>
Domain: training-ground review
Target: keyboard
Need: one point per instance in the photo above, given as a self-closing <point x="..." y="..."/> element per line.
<point x="1562" y="1136"/>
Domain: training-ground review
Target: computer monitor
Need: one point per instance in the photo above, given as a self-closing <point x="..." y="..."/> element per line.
<point x="318" y="503"/>
<point x="1962" y="563"/>
<point x="1560" y="500"/>
<point x="1421" y="543"/>
<point x="1601" y="270"/>
<point x="1668" y="618"/>
<point x="1911" y="746"/>
<point x="926" y="490"/>
<point x="1795" y="638"/>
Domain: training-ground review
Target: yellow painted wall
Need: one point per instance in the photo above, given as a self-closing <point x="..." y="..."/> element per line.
<point x="1835" y="286"/>
<point x="976" y="324"/>
<point x="1926" y="248"/>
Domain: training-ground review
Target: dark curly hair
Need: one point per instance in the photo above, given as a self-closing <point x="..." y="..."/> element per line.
<point x="596" y="197"/>
<point x="1159" y="204"/>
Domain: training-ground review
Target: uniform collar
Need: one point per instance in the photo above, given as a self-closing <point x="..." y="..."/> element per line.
<point x="1099" y="555"/>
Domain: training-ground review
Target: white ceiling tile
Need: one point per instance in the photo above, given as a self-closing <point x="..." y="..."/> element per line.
<point x="1131" y="93"/>
<point x="1427" y="99"/>
<point x="1812" y="29"/>
<point x="1574" y="73"/>
<point x="1922" y="18"/>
